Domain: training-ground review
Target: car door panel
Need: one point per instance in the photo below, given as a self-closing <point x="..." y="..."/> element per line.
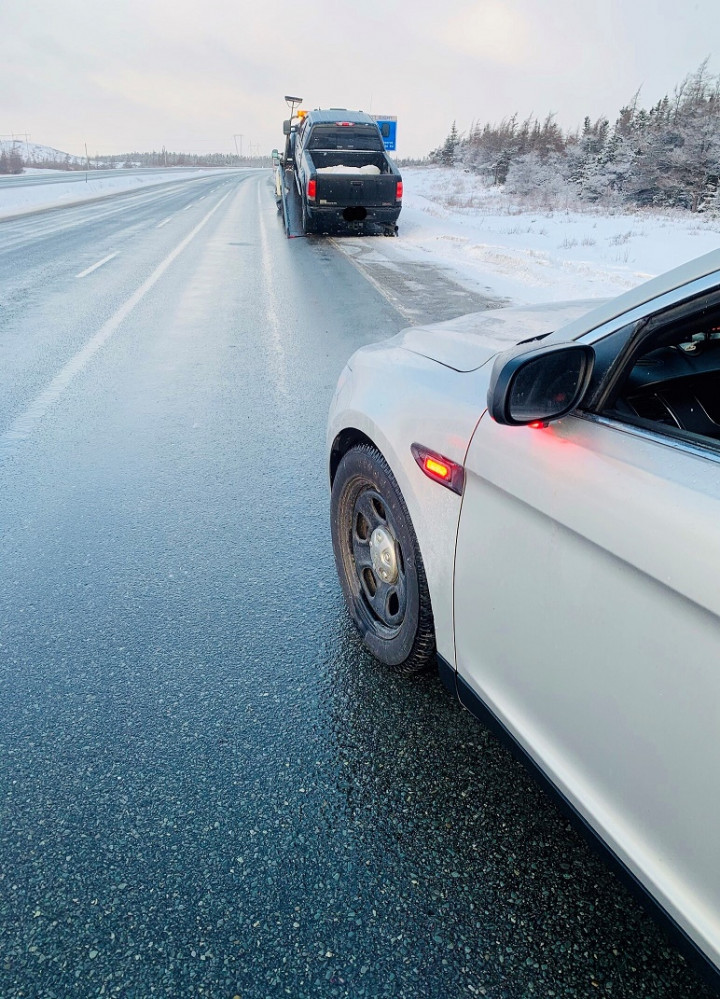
<point x="587" y="619"/>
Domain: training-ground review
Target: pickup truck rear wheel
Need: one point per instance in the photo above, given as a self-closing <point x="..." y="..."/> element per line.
<point x="307" y="225"/>
<point x="379" y="562"/>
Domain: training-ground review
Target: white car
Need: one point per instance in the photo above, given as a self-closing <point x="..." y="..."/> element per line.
<point x="531" y="498"/>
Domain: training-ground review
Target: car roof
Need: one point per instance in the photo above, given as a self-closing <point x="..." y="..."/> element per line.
<point x="691" y="271"/>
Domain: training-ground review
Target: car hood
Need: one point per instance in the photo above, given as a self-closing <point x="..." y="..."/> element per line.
<point x="468" y="342"/>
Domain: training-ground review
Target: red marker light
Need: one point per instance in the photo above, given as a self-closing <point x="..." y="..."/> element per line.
<point x="311" y="189"/>
<point x="438" y="468"/>
<point x="399" y="191"/>
<point x="537" y="424"/>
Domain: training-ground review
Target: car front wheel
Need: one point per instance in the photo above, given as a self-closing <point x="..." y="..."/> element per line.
<point x="379" y="563"/>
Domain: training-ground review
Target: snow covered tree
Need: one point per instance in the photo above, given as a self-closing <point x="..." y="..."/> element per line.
<point x="11" y="162"/>
<point x="540" y="180"/>
<point x="677" y="145"/>
<point x="447" y="156"/>
<point x="668" y="154"/>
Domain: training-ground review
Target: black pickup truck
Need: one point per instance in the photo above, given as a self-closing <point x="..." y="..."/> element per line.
<point x="344" y="177"/>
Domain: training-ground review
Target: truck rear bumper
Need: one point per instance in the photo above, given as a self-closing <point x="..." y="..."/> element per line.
<point x="342" y="216"/>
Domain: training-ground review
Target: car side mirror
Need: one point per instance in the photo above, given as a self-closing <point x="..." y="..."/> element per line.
<point x="286" y="127"/>
<point x="539" y="384"/>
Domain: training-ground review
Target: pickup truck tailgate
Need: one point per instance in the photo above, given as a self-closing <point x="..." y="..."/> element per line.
<point x="355" y="189"/>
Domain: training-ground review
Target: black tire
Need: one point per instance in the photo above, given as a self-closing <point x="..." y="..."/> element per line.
<point x="370" y="522"/>
<point x="307" y="225"/>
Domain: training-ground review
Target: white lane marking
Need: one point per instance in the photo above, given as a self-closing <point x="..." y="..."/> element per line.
<point x="188" y="206"/>
<point x="165" y="221"/>
<point x="94" y="267"/>
<point x="274" y="324"/>
<point x="26" y="423"/>
<point x="394" y="300"/>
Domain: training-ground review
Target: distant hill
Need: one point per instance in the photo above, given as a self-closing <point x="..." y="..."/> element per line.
<point x="34" y="155"/>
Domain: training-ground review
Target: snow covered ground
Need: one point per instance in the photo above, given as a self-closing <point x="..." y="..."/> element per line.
<point x="17" y="197"/>
<point x="487" y="242"/>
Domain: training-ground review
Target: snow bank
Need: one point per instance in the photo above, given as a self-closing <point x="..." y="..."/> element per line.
<point x="368" y="168"/>
<point x="17" y="197"/>
<point x="488" y="242"/>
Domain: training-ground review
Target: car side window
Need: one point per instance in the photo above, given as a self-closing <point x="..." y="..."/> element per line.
<point x="670" y="382"/>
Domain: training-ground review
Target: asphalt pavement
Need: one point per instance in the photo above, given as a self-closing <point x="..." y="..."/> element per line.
<point x="207" y="788"/>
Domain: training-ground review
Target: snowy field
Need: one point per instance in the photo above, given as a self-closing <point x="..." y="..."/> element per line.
<point x="487" y="242"/>
<point x="17" y="198"/>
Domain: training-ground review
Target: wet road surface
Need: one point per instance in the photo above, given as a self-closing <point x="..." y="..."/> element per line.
<point x="207" y="788"/>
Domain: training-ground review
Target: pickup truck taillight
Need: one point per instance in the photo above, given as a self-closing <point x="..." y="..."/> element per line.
<point x="398" y="191"/>
<point x="312" y="189"/>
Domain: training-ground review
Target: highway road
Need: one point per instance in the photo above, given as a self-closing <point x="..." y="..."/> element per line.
<point x="207" y="788"/>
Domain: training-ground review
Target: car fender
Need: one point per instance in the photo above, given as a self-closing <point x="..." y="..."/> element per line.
<point x="394" y="398"/>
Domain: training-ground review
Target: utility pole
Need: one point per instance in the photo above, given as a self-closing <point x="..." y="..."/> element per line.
<point x="236" y="137"/>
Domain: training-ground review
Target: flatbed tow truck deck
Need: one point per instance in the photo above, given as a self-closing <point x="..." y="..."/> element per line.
<point x="289" y="202"/>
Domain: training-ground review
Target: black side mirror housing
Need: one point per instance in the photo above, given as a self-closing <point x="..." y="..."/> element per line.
<point x="539" y="384"/>
<point x="286" y="127"/>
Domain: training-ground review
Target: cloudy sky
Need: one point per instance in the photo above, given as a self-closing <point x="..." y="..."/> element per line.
<point x="189" y="75"/>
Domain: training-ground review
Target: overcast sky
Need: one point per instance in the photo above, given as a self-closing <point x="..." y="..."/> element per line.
<point x="189" y="75"/>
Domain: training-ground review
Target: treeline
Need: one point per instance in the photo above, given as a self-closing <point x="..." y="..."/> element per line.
<point x="11" y="162"/>
<point x="667" y="155"/>
<point x="14" y="162"/>
<point x="165" y="158"/>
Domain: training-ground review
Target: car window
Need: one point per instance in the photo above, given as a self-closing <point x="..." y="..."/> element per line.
<point x="671" y="378"/>
<point x="343" y="137"/>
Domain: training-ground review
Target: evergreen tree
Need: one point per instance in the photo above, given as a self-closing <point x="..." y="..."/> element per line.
<point x="447" y="157"/>
<point x="668" y="154"/>
<point x="14" y="161"/>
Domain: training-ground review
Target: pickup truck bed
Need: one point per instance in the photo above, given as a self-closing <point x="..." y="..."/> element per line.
<point x="352" y="188"/>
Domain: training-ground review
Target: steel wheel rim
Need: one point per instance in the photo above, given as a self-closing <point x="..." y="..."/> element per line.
<point x="379" y="562"/>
